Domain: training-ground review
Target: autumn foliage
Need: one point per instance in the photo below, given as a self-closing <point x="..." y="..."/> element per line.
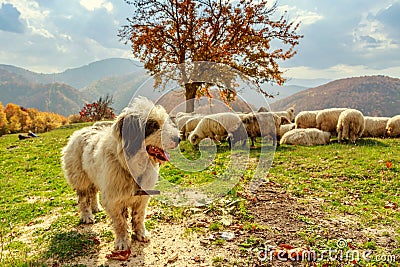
<point x="99" y="110"/>
<point x="245" y="35"/>
<point x="15" y="119"/>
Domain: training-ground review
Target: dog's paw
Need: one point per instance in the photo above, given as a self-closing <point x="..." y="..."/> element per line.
<point x="122" y="243"/>
<point x="143" y="236"/>
<point x="87" y="218"/>
<point x="96" y="209"/>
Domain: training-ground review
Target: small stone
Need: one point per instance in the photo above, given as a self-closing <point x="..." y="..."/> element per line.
<point x="173" y="258"/>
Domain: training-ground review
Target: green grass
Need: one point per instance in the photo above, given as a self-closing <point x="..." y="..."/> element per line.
<point x="351" y="179"/>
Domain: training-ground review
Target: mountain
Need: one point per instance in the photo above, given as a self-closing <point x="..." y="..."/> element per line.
<point x="281" y="92"/>
<point x="58" y="98"/>
<point x="57" y="92"/>
<point x="372" y="95"/>
<point x="174" y="102"/>
<point x="121" y="88"/>
<point x="82" y="76"/>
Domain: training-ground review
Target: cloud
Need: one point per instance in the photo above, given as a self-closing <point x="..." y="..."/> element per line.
<point x="92" y="5"/>
<point x="360" y="36"/>
<point x="390" y="19"/>
<point x="339" y="71"/>
<point x="10" y="19"/>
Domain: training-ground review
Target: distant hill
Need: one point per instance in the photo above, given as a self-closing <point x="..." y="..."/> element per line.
<point x="82" y="76"/>
<point x="66" y="92"/>
<point x="174" y="101"/>
<point x="372" y="95"/>
<point x="121" y="88"/>
<point x="281" y="92"/>
<point x="59" y="98"/>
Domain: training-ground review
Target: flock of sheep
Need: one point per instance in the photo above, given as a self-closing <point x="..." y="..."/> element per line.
<point x="283" y="127"/>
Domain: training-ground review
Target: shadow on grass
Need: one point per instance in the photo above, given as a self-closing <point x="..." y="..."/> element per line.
<point x="362" y="142"/>
<point x="66" y="246"/>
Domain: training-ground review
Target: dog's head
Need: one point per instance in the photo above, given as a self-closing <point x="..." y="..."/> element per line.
<point x="145" y="126"/>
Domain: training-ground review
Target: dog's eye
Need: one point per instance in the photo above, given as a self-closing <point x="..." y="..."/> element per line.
<point x="151" y="127"/>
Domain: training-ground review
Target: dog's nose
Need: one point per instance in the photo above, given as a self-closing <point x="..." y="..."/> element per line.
<point x="177" y="139"/>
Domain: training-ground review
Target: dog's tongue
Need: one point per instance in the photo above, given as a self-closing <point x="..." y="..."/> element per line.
<point x="158" y="153"/>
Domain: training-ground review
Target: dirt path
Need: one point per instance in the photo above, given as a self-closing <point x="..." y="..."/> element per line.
<point x="278" y="218"/>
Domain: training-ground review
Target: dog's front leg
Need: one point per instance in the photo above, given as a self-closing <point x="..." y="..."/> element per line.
<point x="119" y="220"/>
<point x="138" y="216"/>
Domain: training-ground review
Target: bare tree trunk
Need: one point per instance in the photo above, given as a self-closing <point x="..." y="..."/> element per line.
<point x="190" y="94"/>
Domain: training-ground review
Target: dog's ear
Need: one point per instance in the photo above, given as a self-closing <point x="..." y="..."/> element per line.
<point x="132" y="135"/>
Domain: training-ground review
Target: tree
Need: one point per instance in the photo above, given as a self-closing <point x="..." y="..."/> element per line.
<point x="3" y="120"/>
<point x="14" y="117"/>
<point x="238" y="34"/>
<point x="99" y="110"/>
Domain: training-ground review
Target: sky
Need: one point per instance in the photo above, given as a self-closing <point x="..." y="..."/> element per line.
<point x="342" y="38"/>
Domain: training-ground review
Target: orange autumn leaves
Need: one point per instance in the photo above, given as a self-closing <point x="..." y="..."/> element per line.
<point x="15" y="119"/>
<point x="239" y="35"/>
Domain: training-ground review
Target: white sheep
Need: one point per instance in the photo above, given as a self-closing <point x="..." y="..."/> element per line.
<point x="103" y="123"/>
<point x="181" y="114"/>
<point x="350" y="125"/>
<point x="286" y="128"/>
<point x="216" y="127"/>
<point x="306" y="137"/>
<point x="262" y="124"/>
<point x="375" y="126"/>
<point x="289" y="114"/>
<point x="306" y="119"/>
<point x="181" y="121"/>
<point x="327" y="119"/>
<point x="393" y="127"/>
<point x="189" y="126"/>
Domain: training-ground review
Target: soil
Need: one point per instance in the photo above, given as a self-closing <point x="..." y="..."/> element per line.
<point x="278" y="218"/>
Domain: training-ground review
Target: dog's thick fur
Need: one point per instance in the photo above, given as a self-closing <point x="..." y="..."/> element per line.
<point x="114" y="160"/>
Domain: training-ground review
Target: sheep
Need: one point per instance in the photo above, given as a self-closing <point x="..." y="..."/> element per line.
<point x="350" y="125"/>
<point x="101" y="124"/>
<point x="215" y="126"/>
<point x="181" y="121"/>
<point x="327" y="119"/>
<point x="393" y="127"/>
<point x="375" y="126"/>
<point x="286" y="128"/>
<point x="289" y="114"/>
<point x="181" y="114"/>
<point x="262" y="124"/>
<point x="306" y="119"/>
<point x="189" y="126"/>
<point x="306" y="137"/>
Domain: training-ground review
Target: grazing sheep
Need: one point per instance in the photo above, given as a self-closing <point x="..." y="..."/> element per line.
<point x="350" y="125"/>
<point x="306" y="119"/>
<point x="189" y="126"/>
<point x="375" y="126"/>
<point x="262" y="124"/>
<point x="289" y="114"/>
<point x="215" y="126"/>
<point x="327" y="119"/>
<point x="393" y="127"/>
<point x="286" y="128"/>
<point x="306" y="137"/>
<point x="181" y="121"/>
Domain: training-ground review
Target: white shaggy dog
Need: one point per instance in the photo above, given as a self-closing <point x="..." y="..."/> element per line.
<point x="119" y="161"/>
